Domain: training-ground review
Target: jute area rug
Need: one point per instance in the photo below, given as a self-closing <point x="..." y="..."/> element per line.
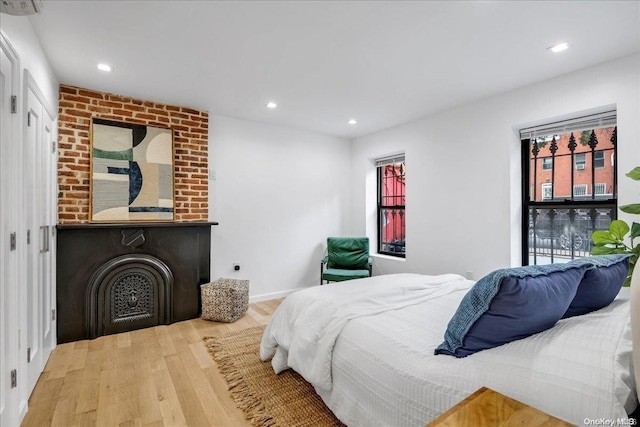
<point x="266" y="398"/>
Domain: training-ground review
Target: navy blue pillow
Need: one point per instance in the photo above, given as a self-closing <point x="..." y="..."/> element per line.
<point x="510" y="304"/>
<point x="600" y="284"/>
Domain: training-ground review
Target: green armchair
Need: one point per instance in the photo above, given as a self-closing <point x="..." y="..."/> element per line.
<point x="347" y="258"/>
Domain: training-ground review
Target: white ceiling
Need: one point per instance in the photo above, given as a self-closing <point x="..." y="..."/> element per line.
<point x="324" y="62"/>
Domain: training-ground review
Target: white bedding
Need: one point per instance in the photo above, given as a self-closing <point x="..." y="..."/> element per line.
<point x="302" y="332"/>
<point x="383" y="370"/>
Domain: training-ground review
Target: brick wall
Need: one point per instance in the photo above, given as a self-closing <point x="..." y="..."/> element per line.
<point x="190" y="132"/>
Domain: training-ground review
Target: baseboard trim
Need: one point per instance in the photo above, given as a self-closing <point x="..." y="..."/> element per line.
<point x="22" y="409"/>
<point x="273" y="295"/>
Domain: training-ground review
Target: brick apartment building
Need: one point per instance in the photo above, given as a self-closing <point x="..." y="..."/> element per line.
<point x="588" y="174"/>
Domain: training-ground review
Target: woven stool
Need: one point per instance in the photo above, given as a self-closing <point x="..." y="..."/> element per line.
<point x="225" y="300"/>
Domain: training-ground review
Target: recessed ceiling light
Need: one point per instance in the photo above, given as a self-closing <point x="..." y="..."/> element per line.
<point x="559" y="47"/>
<point x="271" y="105"/>
<point x="352" y="122"/>
<point x="104" y="67"/>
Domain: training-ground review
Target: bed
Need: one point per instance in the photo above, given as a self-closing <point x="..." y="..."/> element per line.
<point x="367" y="346"/>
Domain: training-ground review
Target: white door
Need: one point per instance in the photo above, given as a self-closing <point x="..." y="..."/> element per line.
<point x="38" y="206"/>
<point x="9" y="335"/>
<point x="35" y="240"/>
<point x="46" y="260"/>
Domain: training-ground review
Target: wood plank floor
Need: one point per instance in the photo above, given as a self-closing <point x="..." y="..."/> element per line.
<point x="160" y="376"/>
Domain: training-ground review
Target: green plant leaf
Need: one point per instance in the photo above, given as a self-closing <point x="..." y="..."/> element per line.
<point x="635" y="230"/>
<point x="602" y="250"/>
<point x="627" y="282"/>
<point x="635" y="174"/>
<point x="621" y="251"/>
<point x="603" y="237"/>
<point x="633" y="208"/>
<point x="618" y="229"/>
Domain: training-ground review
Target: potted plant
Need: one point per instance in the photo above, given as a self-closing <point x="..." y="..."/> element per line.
<point x="612" y="241"/>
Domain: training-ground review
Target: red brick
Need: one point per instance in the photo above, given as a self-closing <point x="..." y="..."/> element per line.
<point x="75" y="167"/>
<point x="91" y="93"/>
<point x="200" y="130"/>
<point x="76" y="98"/>
<point x="200" y="119"/>
<point x="65" y="104"/>
<point x="190" y="111"/>
<point x="68" y="89"/>
<point x="97" y="109"/>
<point x="158" y="125"/>
<point x="188" y="158"/>
<point x="178" y="128"/>
<point x="122" y="112"/>
<point x="190" y="216"/>
<point x="67" y="118"/>
<point x="76" y="195"/>
<point x="111" y="104"/>
<point x="145" y="116"/>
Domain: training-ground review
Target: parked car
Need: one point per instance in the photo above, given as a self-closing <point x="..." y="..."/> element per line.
<point x="562" y="232"/>
<point x="395" y="246"/>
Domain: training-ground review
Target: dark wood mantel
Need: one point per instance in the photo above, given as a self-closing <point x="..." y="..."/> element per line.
<point x="134" y="225"/>
<point x="185" y="247"/>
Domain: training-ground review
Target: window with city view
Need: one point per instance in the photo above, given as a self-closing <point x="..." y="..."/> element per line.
<point x="569" y="188"/>
<point x="391" y="206"/>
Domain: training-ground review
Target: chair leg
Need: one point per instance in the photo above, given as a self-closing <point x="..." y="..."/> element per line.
<point x="321" y="269"/>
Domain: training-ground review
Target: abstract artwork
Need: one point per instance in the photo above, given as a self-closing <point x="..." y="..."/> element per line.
<point x="131" y="172"/>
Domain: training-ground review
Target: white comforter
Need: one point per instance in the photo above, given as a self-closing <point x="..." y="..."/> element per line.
<point x="378" y="368"/>
<point x="303" y="330"/>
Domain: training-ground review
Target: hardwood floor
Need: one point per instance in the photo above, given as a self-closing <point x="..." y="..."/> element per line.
<point x="160" y="376"/>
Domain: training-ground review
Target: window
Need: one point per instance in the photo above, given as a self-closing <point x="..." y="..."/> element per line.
<point x="547" y="163"/>
<point x="598" y="159"/>
<point x="600" y="189"/>
<point x="564" y="205"/>
<point x="547" y="191"/>
<point x="391" y="205"/>
<point x="580" y="190"/>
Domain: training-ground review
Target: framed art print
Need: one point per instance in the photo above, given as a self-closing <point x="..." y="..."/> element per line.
<point x="131" y="172"/>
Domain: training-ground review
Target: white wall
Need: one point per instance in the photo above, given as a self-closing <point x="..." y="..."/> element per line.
<point x="278" y="194"/>
<point x="20" y="33"/>
<point x="463" y="168"/>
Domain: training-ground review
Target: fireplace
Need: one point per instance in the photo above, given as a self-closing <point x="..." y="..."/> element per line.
<point x="114" y="278"/>
<point x="129" y="292"/>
